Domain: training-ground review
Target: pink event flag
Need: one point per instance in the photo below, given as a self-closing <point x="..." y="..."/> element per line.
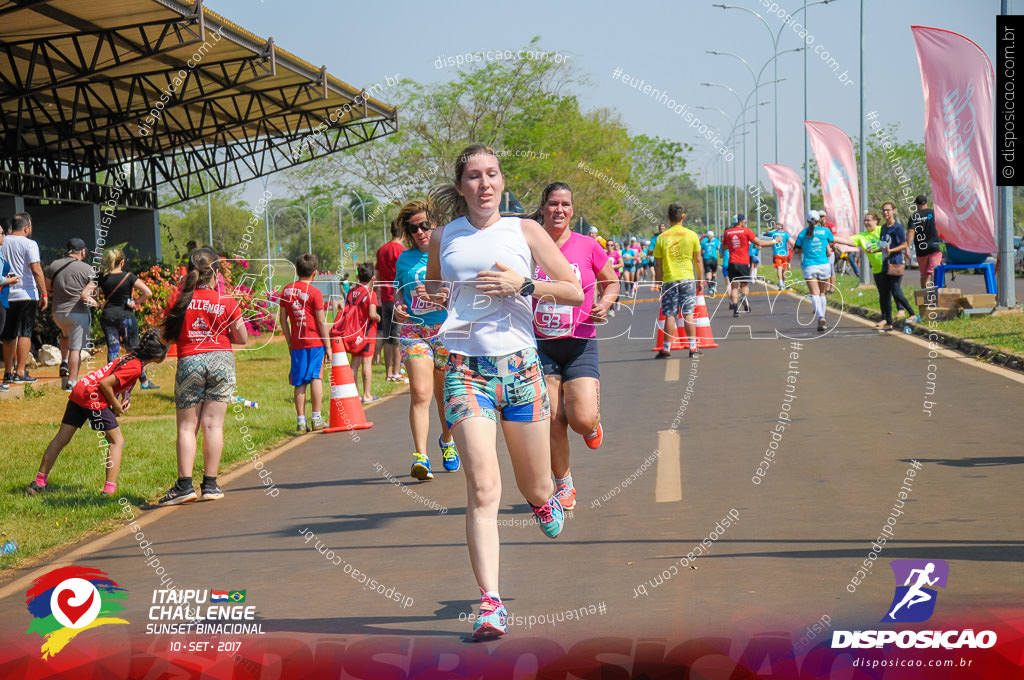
<point x="956" y="77"/>
<point x="789" y="191"/>
<point x="838" y="171"/>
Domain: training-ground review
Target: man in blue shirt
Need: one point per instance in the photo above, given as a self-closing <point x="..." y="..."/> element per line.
<point x="709" y="246"/>
<point x="780" y="254"/>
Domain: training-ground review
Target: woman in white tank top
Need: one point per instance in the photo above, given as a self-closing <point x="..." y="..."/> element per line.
<point x="485" y="261"/>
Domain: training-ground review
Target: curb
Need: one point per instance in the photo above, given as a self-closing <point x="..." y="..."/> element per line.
<point x="979" y="350"/>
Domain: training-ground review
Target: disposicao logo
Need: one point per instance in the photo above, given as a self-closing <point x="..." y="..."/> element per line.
<point x="922" y="573"/>
<point x="69" y="600"/>
<point x="913" y="602"/>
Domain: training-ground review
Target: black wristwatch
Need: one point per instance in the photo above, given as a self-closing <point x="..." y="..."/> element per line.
<point x="527" y="288"/>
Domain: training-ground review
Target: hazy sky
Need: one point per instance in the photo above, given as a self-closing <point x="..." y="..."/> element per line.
<point x="664" y="43"/>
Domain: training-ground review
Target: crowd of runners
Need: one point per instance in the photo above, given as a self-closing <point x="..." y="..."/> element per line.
<point x="495" y="319"/>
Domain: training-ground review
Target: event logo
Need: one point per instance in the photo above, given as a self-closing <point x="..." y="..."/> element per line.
<point x="69" y="600"/>
<point x="914" y="601"/>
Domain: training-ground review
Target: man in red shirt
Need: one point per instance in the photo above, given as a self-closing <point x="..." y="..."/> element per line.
<point x="304" y="322"/>
<point x="737" y="240"/>
<point x="387" y="257"/>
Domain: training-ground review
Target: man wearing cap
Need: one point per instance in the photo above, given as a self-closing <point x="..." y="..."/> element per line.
<point x="24" y="299"/>
<point x="69" y="281"/>
<point x="597" y="237"/>
<point x="922" y="233"/>
<point x="737" y="239"/>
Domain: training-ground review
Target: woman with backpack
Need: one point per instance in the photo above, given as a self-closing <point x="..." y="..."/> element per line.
<point x="357" y="326"/>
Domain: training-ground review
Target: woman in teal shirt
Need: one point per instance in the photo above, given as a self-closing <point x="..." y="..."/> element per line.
<point x="423" y="353"/>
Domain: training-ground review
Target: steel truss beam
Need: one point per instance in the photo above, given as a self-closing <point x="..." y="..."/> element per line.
<point x="195" y="172"/>
<point x="91" y="123"/>
<point x="74" y="57"/>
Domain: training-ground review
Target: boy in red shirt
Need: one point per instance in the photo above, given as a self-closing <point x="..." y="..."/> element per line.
<point x="100" y="397"/>
<point x="304" y="323"/>
<point x="367" y="317"/>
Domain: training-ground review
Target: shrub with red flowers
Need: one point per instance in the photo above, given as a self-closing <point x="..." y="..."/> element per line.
<point x="258" y="311"/>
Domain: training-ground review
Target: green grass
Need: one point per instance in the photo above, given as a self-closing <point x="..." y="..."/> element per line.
<point x="1005" y="332"/>
<point x="72" y="507"/>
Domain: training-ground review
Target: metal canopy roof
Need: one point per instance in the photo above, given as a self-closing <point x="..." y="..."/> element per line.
<point x="160" y="93"/>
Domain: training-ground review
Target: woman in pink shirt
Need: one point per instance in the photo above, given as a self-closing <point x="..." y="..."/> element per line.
<point x="567" y="337"/>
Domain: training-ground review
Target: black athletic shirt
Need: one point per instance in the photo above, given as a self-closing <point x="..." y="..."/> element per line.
<point x="926" y="236"/>
<point x="117" y="304"/>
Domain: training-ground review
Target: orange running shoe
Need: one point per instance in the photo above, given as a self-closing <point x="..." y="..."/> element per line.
<point x="566" y="495"/>
<point x="594" y="439"/>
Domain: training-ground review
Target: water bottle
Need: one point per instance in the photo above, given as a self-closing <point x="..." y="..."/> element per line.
<point x="9" y="547"/>
<point x="908" y="330"/>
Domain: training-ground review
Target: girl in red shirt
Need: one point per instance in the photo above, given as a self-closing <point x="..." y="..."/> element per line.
<point x="204" y="323"/>
<point x="100" y="397"/>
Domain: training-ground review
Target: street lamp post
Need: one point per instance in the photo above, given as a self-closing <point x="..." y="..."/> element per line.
<point x="744" y="107"/>
<point x="757" y="85"/>
<point x="362" y="210"/>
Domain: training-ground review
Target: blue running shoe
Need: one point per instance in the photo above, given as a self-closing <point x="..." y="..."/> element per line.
<point x="551" y="517"/>
<point x="492" y="621"/>
<point x="450" y="455"/>
<point x="421" y="467"/>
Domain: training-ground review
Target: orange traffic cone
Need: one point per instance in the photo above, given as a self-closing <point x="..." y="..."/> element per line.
<point x="660" y="337"/>
<point x="705" y="338"/>
<point x="678" y="342"/>
<point x="346" y="406"/>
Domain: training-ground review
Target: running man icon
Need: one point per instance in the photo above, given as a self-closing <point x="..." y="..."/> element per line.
<point x="916" y="576"/>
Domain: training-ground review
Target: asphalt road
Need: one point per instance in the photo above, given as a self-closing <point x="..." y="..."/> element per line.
<point x="857" y="418"/>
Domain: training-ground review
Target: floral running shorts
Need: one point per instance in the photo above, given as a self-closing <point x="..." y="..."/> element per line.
<point x="423" y="342"/>
<point x="481" y="386"/>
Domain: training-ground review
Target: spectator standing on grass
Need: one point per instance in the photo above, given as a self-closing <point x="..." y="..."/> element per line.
<point x="204" y="323"/>
<point x="868" y="241"/>
<point x="117" y="315"/>
<point x="69" y="283"/>
<point x="25" y="298"/>
<point x="100" y="397"/>
<point x="7" y="279"/>
<point x="493" y="370"/>
<point x="893" y="239"/>
<point x="921" y="231"/>
<point x="303" y="317"/>
<point x="362" y="299"/>
<point x="387" y="258"/>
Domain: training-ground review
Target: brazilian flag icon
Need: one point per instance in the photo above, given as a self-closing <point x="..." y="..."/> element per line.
<point x="237" y="596"/>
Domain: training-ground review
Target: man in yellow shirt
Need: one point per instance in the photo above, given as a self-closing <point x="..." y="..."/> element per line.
<point x="676" y="259"/>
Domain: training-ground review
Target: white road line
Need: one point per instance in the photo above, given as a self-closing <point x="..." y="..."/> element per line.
<point x="672" y="370"/>
<point x="669" y="485"/>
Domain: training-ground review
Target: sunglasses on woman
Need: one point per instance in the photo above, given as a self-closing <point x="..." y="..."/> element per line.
<point x="422" y="226"/>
